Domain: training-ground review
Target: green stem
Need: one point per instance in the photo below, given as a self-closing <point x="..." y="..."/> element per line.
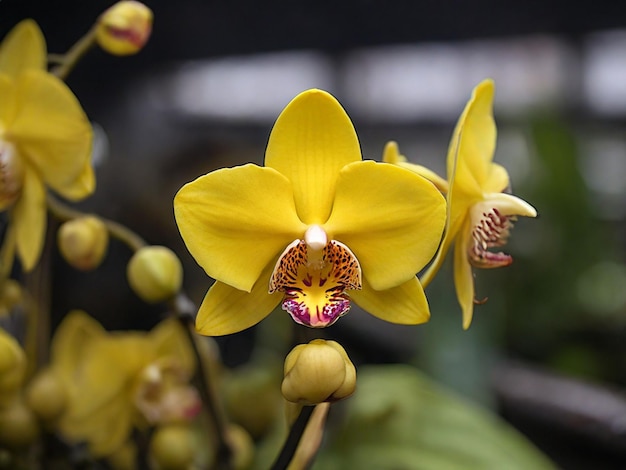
<point x="115" y="229"/>
<point x="69" y="60"/>
<point x="223" y="456"/>
<point x="293" y="439"/>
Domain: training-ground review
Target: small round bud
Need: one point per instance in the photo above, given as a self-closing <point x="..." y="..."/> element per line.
<point x="124" y="28"/>
<point x="155" y="273"/>
<point x="10" y="296"/>
<point x="317" y="372"/>
<point x="241" y="445"/>
<point x="172" y="447"/>
<point x="12" y="366"/>
<point x="46" y="396"/>
<point x="18" y="426"/>
<point x="83" y="242"/>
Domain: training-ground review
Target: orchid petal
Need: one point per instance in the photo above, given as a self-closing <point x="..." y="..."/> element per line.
<point x="510" y="205"/>
<point x="22" y="49"/>
<point x="473" y="142"/>
<point x="390" y="218"/>
<point x="405" y="304"/>
<point x="497" y="179"/>
<point x="52" y="133"/>
<point x="234" y="221"/>
<point x="226" y="310"/>
<point x="312" y="139"/>
<point x="391" y="154"/>
<point x="29" y="219"/>
<point x="463" y="276"/>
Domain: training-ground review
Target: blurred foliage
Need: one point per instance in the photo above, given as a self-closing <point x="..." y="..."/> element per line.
<point x="401" y="420"/>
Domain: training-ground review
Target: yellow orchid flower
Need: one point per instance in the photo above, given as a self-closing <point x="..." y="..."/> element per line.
<point x="480" y="211"/>
<point x="45" y="140"/>
<point x="121" y="380"/>
<point x="315" y="228"/>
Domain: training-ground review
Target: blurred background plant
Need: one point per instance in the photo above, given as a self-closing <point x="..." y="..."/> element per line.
<point x="546" y="350"/>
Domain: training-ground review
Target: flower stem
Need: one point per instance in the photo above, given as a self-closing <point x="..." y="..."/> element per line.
<point x="69" y="60"/>
<point x="185" y="310"/>
<point x="115" y="229"/>
<point x="293" y="439"/>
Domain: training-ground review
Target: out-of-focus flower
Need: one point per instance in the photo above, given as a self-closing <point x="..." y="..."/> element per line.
<point x="117" y="381"/>
<point x="124" y="28"/>
<point x="12" y="367"/>
<point x="480" y="210"/>
<point x="45" y="140"/>
<point x="317" y="372"/>
<point x="314" y="228"/>
<point x="83" y="242"/>
<point x="155" y="273"/>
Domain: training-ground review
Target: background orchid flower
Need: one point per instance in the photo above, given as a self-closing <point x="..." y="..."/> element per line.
<point x="480" y="211"/>
<point x="45" y="139"/>
<point x="315" y="228"/>
<point x="117" y="381"/>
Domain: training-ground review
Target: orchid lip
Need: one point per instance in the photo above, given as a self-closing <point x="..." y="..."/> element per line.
<point x="490" y="228"/>
<point x="315" y="278"/>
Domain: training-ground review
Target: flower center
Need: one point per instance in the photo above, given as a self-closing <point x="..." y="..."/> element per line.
<point x="314" y="274"/>
<point x="11" y="175"/>
<point x="490" y="229"/>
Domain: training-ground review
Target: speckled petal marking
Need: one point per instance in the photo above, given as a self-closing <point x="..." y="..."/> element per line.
<point x="492" y="230"/>
<point x="315" y="285"/>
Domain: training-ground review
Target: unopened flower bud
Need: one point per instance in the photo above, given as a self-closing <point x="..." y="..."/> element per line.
<point x="317" y="372"/>
<point x="12" y="366"/>
<point x="124" y="28"/>
<point x="18" y="426"/>
<point x="46" y="396"/>
<point x="10" y="296"/>
<point x="83" y="242"/>
<point x="155" y="273"/>
<point x="172" y="447"/>
<point x="241" y="445"/>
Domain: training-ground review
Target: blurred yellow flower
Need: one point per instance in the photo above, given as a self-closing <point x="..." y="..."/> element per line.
<point x="121" y="380"/>
<point x="45" y="140"/>
<point x="480" y="212"/>
<point x="314" y="228"/>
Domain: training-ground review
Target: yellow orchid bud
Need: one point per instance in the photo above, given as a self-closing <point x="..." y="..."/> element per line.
<point x="46" y="396"/>
<point x="317" y="372"/>
<point x="172" y="447"/>
<point x="10" y="296"/>
<point x="83" y="242"/>
<point x="124" y="28"/>
<point x="241" y="445"/>
<point x="12" y="366"/>
<point x="155" y="273"/>
<point x="18" y="425"/>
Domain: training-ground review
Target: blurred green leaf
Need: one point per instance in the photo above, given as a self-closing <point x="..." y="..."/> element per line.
<point x="399" y="419"/>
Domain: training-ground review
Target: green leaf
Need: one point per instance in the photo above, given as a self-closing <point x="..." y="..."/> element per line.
<point x="400" y="420"/>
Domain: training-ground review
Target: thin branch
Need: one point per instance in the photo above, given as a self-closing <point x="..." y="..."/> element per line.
<point x="68" y="61"/>
<point x="223" y="456"/>
<point x="115" y="229"/>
